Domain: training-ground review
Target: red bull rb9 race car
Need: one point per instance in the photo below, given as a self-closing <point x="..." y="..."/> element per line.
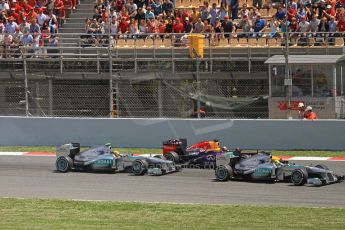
<point x="201" y="153"/>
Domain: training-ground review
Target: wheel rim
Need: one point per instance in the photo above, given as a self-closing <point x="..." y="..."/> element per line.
<point x="222" y="173"/>
<point x="297" y="177"/>
<point x="62" y="165"/>
<point x="137" y="166"/>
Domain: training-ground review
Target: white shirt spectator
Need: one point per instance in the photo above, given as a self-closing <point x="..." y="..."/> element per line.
<point x="304" y="26"/>
<point x="4" y="5"/>
<point x="41" y="19"/>
<point x="314" y="24"/>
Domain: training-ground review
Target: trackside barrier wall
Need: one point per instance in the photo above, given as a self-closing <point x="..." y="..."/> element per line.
<point x="246" y="134"/>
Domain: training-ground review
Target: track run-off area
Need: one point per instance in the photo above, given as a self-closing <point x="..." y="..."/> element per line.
<point x="35" y="177"/>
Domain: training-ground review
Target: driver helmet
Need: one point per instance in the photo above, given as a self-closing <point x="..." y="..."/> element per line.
<point x="300" y="105"/>
<point x="309" y="108"/>
<point x="225" y="149"/>
<point x="108" y="145"/>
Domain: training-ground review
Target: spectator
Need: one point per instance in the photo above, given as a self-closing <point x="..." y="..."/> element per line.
<point x="12" y="13"/>
<point x="227" y="27"/>
<point x="31" y="15"/>
<point x="246" y="26"/>
<point x="309" y="114"/>
<point x="303" y="27"/>
<point x="24" y="25"/>
<point x="234" y="9"/>
<point x="223" y="11"/>
<point x="256" y="3"/>
<point x="26" y="39"/>
<point x="259" y="26"/>
<point x="41" y="18"/>
<point x="131" y="8"/>
<point x="114" y="26"/>
<point x="274" y="27"/>
<point x="52" y="22"/>
<point x="52" y="45"/>
<point x="314" y="24"/>
<point x="188" y="27"/>
<point x="140" y="15"/>
<point x="11" y="26"/>
<point x="244" y="11"/>
<point x="167" y="6"/>
<point x="34" y="27"/>
<point x="323" y="28"/>
<point x="157" y="7"/>
<point x="213" y="14"/>
<point x="5" y="45"/>
<point x="4" y="5"/>
<point x="149" y="14"/>
<point x="195" y="15"/>
<point x="301" y="110"/>
<point x="204" y="12"/>
<point x="199" y="26"/>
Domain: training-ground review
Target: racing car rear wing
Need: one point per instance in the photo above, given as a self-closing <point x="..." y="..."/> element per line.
<point x="70" y="150"/>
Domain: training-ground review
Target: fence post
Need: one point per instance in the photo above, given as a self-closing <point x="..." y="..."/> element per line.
<point x="26" y="86"/>
<point x="160" y="102"/>
<point x="50" y="89"/>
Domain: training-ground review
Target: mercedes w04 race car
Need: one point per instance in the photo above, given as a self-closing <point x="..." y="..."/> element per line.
<point x="101" y="158"/>
<point x="264" y="166"/>
<point x="201" y="153"/>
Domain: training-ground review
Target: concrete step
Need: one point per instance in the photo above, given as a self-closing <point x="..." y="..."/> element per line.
<point x="71" y="30"/>
<point x="75" y="20"/>
<point x="84" y="6"/>
<point x="77" y="25"/>
<point x="81" y="15"/>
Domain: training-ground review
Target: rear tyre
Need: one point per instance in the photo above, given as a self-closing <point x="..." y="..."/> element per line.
<point x="224" y="172"/>
<point x="299" y="177"/>
<point x="172" y="156"/>
<point x="322" y="166"/>
<point x="63" y="164"/>
<point x="139" y="167"/>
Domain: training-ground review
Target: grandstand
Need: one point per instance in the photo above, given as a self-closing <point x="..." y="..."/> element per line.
<point x="93" y="68"/>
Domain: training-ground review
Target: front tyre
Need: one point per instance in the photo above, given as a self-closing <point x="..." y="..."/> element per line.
<point x="223" y="172"/>
<point x="299" y="177"/>
<point x="63" y="164"/>
<point x="139" y="167"/>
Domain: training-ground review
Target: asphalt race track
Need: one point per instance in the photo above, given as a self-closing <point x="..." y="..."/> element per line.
<point x="34" y="177"/>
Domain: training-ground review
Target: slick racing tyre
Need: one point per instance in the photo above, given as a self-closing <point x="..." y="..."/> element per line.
<point x="223" y="172"/>
<point x="172" y="156"/>
<point x="299" y="177"/>
<point x="63" y="164"/>
<point x="322" y="166"/>
<point x="139" y="167"/>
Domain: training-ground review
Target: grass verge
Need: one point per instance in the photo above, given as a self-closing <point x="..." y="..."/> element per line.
<point x="60" y="214"/>
<point x="158" y="151"/>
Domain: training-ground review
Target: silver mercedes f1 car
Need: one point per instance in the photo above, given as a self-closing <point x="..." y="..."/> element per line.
<point x="101" y="158"/>
<point x="264" y="166"/>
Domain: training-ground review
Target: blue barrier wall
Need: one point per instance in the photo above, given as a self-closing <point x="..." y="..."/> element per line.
<point x="246" y="134"/>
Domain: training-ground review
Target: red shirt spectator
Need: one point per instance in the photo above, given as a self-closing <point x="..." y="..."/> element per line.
<point x="13" y="14"/>
<point x="123" y="25"/>
<point x="31" y="15"/>
<point x="178" y="26"/>
<point x="31" y="3"/>
<point x="341" y="24"/>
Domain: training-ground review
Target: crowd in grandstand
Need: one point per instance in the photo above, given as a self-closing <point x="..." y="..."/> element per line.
<point x="303" y="18"/>
<point x="28" y="22"/>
